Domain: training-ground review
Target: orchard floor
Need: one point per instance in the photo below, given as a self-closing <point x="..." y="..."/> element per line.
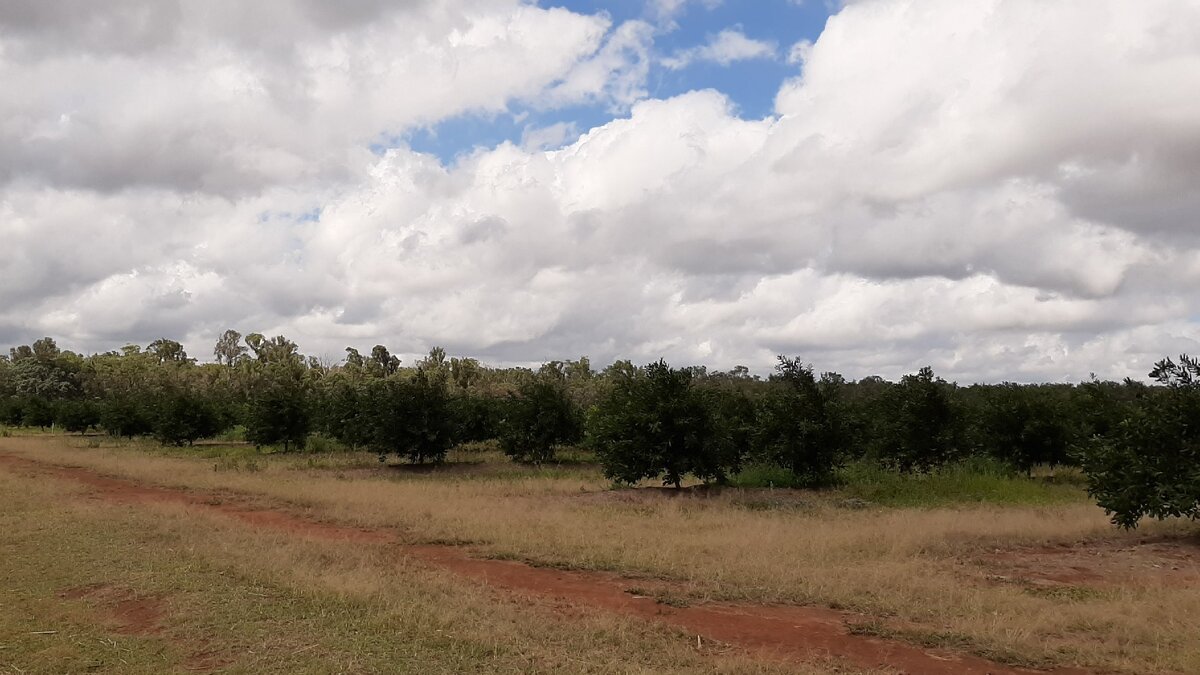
<point x="129" y="559"/>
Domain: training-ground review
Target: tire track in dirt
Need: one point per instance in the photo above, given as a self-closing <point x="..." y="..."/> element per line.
<point x="790" y="633"/>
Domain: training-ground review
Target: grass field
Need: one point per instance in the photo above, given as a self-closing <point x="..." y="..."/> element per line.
<point x="1021" y="571"/>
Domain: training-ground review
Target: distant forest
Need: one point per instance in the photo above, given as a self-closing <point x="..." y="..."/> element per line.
<point x="1138" y="444"/>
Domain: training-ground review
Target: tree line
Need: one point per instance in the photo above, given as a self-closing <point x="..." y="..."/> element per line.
<point x="1137" y="443"/>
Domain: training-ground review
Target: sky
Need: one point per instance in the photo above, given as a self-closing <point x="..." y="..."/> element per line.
<point x="1001" y="189"/>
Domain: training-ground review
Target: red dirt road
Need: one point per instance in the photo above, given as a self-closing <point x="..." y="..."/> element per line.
<point x="791" y="633"/>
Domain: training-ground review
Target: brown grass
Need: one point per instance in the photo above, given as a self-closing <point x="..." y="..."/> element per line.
<point x="89" y="586"/>
<point x="915" y="569"/>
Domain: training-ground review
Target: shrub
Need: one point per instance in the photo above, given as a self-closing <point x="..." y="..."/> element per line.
<point x="278" y="413"/>
<point x="77" y="416"/>
<point x="536" y="420"/>
<point x="1149" y="465"/>
<point x="801" y="427"/>
<point x="920" y="432"/>
<point x="124" y="417"/>
<point x="37" y="412"/>
<point x="656" y="424"/>
<point x="408" y="417"/>
<point x="182" y="417"/>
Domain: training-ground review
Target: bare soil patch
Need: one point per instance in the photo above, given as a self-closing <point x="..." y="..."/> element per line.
<point x="130" y="613"/>
<point x="792" y="633"/>
<point x="1100" y="565"/>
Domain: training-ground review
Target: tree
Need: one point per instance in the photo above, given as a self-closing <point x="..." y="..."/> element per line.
<point x="124" y="416"/>
<point x="77" y="416"/>
<point x="537" y="419"/>
<point x="475" y="418"/>
<point x="229" y="348"/>
<point x="38" y="412"/>
<point x="656" y="424"/>
<point x="167" y="351"/>
<point x="1024" y="426"/>
<point x="409" y="417"/>
<point x="279" y="412"/>
<point x="920" y="432"/>
<point x="801" y="426"/>
<point x="278" y="409"/>
<point x="382" y="362"/>
<point x="182" y="416"/>
<point x="464" y="372"/>
<point x="45" y="350"/>
<point x="343" y="413"/>
<point x="1149" y="465"/>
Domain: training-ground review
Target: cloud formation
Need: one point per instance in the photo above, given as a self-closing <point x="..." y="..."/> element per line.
<point x="723" y="49"/>
<point x="1004" y="190"/>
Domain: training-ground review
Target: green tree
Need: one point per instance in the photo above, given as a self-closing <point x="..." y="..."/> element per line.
<point x="409" y="417"/>
<point x="279" y="412"/>
<point x="539" y="418"/>
<point x="655" y="423"/>
<point x="801" y="425"/>
<point x="77" y="416"/>
<point x="167" y="351"/>
<point x="1149" y="465"/>
<point x="382" y="363"/>
<point x="229" y="348"/>
<point x="125" y="416"/>
<point x="920" y="432"/>
<point x="278" y="407"/>
<point x="181" y="416"/>
<point x="1024" y="426"/>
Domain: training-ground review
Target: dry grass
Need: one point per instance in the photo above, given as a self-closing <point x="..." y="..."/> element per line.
<point x="237" y="600"/>
<point x="911" y="567"/>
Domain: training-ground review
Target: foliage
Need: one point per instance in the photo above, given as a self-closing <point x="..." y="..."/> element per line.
<point x="408" y="417"/>
<point x="801" y="426"/>
<point x="38" y="412"/>
<point x="77" y="416"/>
<point x="182" y="417"/>
<point x="1149" y="465"/>
<point x="655" y="423"/>
<point x="539" y="418"/>
<point x="125" y="416"/>
<point x="920" y="432"/>
<point x="278" y="413"/>
<point x="475" y="418"/>
<point x="278" y="410"/>
<point x="1024" y="426"/>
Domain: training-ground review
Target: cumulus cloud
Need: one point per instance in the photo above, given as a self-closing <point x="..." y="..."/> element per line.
<point x="1001" y="190"/>
<point x="666" y="11"/>
<point x="723" y="48"/>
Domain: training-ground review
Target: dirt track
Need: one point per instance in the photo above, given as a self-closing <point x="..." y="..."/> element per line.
<point x="792" y="633"/>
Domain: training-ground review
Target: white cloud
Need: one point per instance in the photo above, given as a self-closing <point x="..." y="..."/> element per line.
<point x="1002" y="190"/>
<point x="666" y="11"/>
<point x="723" y="48"/>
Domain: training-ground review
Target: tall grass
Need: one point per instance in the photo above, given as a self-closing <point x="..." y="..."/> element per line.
<point x="972" y="481"/>
<point x="915" y="565"/>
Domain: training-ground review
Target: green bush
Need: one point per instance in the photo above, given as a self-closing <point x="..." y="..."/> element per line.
<point x="1149" y="465"/>
<point x="408" y="417"/>
<point x="801" y="426"/>
<point x="655" y="423"/>
<point x="537" y="419"/>
<point x="182" y="417"/>
<point x="77" y="416"/>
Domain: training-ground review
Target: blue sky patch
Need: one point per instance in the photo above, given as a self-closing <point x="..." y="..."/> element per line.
<point x="751" y="84"/>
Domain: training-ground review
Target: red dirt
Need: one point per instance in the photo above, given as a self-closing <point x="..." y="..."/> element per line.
<point x="792" y="633"/>
<point x="1173" y="563"/>
<point x="131" y="614"/>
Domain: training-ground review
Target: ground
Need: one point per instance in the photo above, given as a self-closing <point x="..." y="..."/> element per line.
<point x="121" y="557"/>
